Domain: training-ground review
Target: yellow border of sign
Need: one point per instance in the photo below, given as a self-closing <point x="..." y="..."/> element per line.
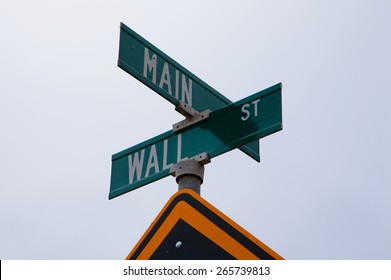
<point x="182" y="210"/>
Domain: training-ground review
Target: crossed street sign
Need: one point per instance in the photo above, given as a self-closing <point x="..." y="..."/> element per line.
<point x="221" y="125"/>
<point x="169" y="79"/>
<point x="213" y="126"/>
<point x="228" y="128"/>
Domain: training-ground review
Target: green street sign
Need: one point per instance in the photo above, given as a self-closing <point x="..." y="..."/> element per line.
<point x="169" y="79"/>
<point x="228" y="128"/>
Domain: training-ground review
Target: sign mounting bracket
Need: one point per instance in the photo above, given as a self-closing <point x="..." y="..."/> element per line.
<point x="192" y="116"/>
<point x="202" y="158"/>
<point x="189" y="173"/>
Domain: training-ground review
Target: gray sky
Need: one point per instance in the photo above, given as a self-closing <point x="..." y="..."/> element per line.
<point x="322" y="189"/>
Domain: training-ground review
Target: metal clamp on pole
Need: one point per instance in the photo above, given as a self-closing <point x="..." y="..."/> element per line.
<point x="192" y="116"/>
<point x="189" y="173"/>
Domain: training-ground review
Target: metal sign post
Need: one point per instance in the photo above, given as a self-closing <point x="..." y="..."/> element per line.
<point x="189" y="174"/>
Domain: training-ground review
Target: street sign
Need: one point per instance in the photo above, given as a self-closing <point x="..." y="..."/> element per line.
<point x="169" y="79"/>
<point x="228" y="128"/>
<point x="190" y="228"/>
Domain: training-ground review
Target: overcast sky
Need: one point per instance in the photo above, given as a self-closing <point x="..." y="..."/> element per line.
<point x="323" y="187"/>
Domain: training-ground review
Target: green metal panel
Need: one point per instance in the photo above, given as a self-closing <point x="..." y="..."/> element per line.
<point x="239" y="123"/>
<point x="169" y="79"/>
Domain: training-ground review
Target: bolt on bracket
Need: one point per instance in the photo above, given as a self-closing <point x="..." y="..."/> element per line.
<point x="192" y="116"/>
<point x="202" y="158"/>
